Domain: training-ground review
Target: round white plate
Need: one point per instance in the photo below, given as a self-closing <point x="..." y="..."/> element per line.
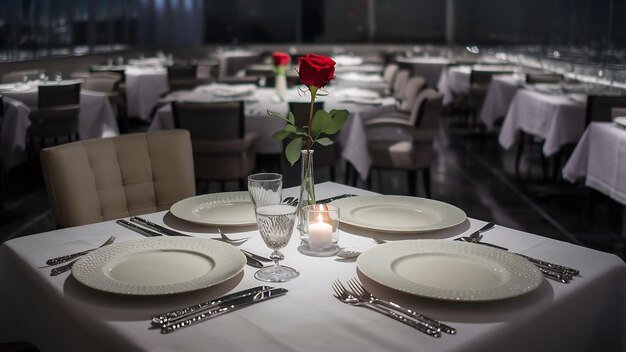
<point x="159" y="265"/>
<point x="449" y="270"/>
<point x="399" y="214"/>
<point x="220" y="209"/>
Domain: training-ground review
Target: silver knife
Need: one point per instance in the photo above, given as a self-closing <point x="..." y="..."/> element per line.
<point x="210" y="313"/>
<point x="165" y="317"/>
<point x="157" y="227"/>
<point x="328" y="200"/>
<point x="251" y="258"/>
<point x="138" y="229"/>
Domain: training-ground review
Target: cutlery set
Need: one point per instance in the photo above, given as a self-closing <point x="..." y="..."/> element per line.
<point x="359" y="296"/>
<point x="197" y="313"/>
<point x="549" y="270"/>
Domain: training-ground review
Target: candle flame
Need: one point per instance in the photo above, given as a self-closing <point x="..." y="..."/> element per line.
<point x="320" y="218"/>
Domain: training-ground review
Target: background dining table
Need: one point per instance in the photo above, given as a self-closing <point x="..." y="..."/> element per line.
<point x="353" y="138"/>
<point x="556" y="117"/>
<point x="600" y="158"/>
<point x="500" y="94"/>
<point x="428" y="67"/>
<point x="59" y="313"/>
<point x="96" y="119"/>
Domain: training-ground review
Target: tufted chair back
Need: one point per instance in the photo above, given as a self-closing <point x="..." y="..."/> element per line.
<point x="103" y="179"/>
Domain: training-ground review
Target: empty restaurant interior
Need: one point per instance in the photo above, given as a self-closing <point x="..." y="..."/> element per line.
<point x="574" y="40"/>
<point x="509" y="112"/>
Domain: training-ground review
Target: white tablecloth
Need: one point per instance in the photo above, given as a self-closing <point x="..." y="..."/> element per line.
<point x="600" y="157"/>
<point x="60" y="314"/>
<point x="430" y="68"/>
<point x="500" y="93"/>
<point x="96" y="120"/>
<point x="352" y="136"/>
<point x="556" y="118"/>
<point x="453" y="80"/>
<point x="144" y="86"/>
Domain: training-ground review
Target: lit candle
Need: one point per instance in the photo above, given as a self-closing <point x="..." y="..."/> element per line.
<point x="320" y="233"/>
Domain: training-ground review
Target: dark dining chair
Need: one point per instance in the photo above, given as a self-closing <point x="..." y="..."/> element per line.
<point x="222" y="149"/>
<point x="56" y="115"/>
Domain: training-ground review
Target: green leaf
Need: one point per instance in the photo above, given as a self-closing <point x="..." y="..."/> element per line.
<point x="324" y="141"/>
<point x="291" y="118"/>
<point x="338" y="119"/>
<point x="291" y="128"/>
<point x="321" y="120"/>
<point x="293" y="150"/>
<point x="275" y="114"/>
<point x="280" y="135"/>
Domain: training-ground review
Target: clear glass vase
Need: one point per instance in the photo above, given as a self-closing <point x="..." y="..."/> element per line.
<point x="307" y="191"/>
<point x="281" y="86"/>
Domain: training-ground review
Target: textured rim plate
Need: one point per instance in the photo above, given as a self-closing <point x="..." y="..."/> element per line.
<point x="449" y="270"/>
<point x="398" y="213"/>
<point x="221" y="209"/>
<point x="159" y="266"/>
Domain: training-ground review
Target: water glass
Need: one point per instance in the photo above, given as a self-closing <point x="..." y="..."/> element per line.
<point x="265" y="188"/>
<point x="276" y="223"/>
<point x="58" y="77"/>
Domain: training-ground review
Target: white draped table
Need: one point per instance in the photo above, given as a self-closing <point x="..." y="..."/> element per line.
<point x="144" y="86"/>
<point x="95" y="120"/>
<point x="352" y="137"/>
<point x="557" y="118"/>
<point x="60" y="314"/>
<point x="600" y="158"/>
<point x="500" y="93"/>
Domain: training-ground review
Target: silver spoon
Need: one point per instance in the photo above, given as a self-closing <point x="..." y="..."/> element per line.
<point x="234" y="242"/>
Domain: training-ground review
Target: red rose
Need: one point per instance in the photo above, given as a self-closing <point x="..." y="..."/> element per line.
<point x="281" y="58"/>
<point x="316" y="70"/>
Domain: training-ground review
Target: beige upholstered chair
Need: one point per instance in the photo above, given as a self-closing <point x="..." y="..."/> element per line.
<point x="412" y="89"/>
<point x="103" y="179"/>
<point x="413" y="149"/>
<point x="18" y="76"/>
<point x="184" y="77"/>
<point x="57" y="114"/>
<point x="399" y="82"/>
<point x="390" y="73"/>
<point x="222" y="149"/>
<point x="108" y="83"/>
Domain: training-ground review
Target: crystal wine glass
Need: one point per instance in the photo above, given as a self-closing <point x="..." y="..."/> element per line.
<point x="276" y="223"/>
<point x="58" y="77"/>
<point x="265" y="188"/>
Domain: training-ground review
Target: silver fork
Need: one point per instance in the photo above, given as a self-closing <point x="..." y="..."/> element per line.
<point x="63" y="268"/>
<point x="345" y="296"/>
<point x="65" y="258"/>
<point x="234" y="242"/>
<point x="362" y="293"/>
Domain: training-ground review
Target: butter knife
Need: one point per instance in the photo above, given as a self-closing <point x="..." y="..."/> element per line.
<point x="168" y="316"/>
<point x="141" y="230"/>
<point x="231" y="306"/>
<point x="328" y="200"/>
<point x="157" y="227"/>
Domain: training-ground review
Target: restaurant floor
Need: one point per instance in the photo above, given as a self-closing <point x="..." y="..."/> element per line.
<point x="471" y="171"/>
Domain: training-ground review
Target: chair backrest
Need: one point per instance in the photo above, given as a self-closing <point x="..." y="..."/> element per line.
<point x="120" y="72"/>
<point x="100" y="83"/>
<point x="412" y="88"/>
<point x="210" y="121"/>
<point x="176" y="72"/>
<point x="532" y="78"/>
<point x="390" y="72"/>
<point x="399" y="82"/>
<point x="18" y="76"/>
<point x="618" y="112"/>
<point x="102" y="179"/>
<point x="301" y="111"/>
<point x="107" y="74"/>
<point x="420" y="108"/>
<point x="231" y="65"/>
<point x="51" y="95"/>
<point x="600" y="108"/>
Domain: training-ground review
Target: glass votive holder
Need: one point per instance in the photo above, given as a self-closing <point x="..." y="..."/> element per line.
<point x="320" y="233"/>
